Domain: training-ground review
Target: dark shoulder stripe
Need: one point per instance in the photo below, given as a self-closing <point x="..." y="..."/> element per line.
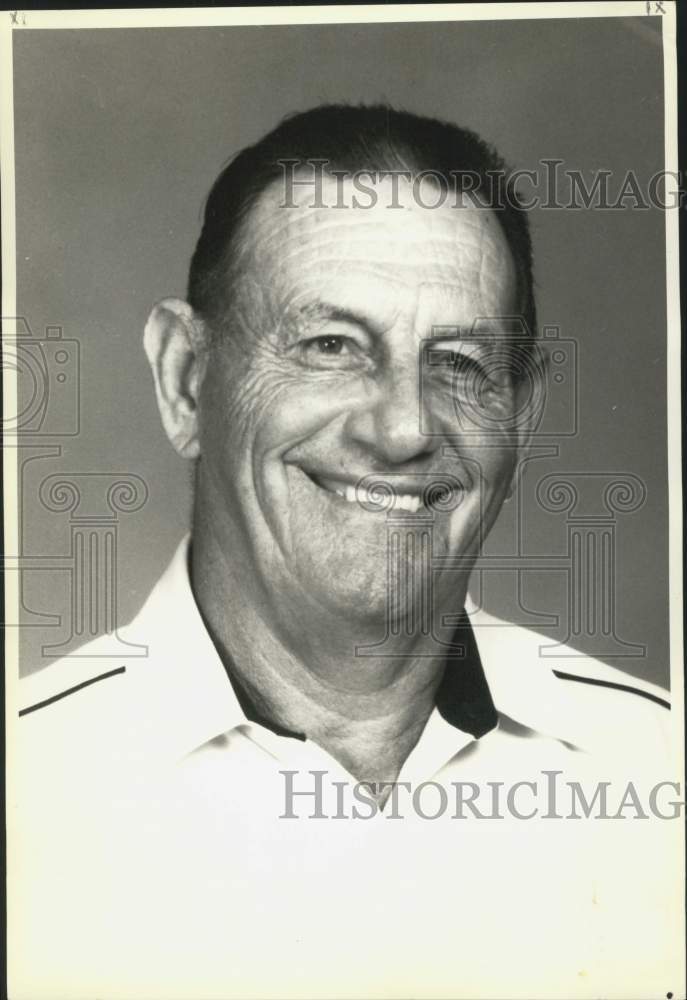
<point x="71" y="690"/>
<point x="611" y="684"/>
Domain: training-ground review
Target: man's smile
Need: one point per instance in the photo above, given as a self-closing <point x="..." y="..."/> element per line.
<point x="378" y="493"/>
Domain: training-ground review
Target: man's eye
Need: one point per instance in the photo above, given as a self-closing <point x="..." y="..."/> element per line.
<point x="329" y="345"/>
<point x="456" y="361"/>
<point x="331" y="350"/>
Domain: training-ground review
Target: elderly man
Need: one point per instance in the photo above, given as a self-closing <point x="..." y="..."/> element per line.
<point x="345" y="359"/>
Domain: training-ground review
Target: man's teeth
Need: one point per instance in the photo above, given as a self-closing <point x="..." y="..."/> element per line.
<point x="407" y="502"/>
<point x="404" y="501"/>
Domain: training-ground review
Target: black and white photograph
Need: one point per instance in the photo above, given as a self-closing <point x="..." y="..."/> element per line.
<point x="343" y="503"/>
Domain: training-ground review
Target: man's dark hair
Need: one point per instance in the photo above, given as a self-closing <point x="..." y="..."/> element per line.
<point x="370" y="138"/>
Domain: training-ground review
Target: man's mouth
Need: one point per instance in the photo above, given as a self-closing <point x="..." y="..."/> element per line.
<point x="380" y="494"/>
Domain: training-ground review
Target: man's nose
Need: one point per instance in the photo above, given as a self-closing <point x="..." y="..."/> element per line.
<point x="396" y="424"/>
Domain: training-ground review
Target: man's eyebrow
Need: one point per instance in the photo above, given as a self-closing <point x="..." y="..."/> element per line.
<point x="482" y="336"/>
<point x="322" y="311"/>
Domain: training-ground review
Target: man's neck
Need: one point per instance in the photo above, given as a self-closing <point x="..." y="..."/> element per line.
<point x="368" y="712"/>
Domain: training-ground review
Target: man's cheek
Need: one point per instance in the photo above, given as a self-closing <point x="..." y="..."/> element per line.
<point x="234" y="404"/>
<point x="293" y="408"/>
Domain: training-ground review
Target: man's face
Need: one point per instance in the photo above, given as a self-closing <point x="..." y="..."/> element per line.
<point x="322" y="376"/>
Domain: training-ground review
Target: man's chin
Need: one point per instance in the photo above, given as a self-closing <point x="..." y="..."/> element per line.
<point x="365" y="603"/>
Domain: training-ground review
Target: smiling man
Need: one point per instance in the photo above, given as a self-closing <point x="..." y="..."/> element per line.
<point x="347" y="375"/>
<point x="296" y="389"/>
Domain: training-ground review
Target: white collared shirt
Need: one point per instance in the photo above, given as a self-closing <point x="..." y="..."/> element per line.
<point x="157" y="859"/>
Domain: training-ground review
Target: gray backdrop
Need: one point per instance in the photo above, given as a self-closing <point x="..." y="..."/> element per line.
<point x="119" y="135"/>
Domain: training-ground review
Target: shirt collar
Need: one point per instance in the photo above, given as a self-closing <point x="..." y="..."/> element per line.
<point x="183" y="679"/>
<point x="523" y="684"/>
<point x="463" y="697"/>
<point x="194" y="696"/>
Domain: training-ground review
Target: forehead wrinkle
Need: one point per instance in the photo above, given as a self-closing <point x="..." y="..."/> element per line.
<point x="348" y="229"/>
<point x="370" y="282"/>
<point x="447" y="256"/>
<point x="379" y="306"/>
<point x="262" y="223"/>
<point x="365" y="232"/>
<point x="396" y="282"/>
<point x="472" y="258"/>
<point x="460" y="291"/>
<point x="442" y="304"/>
<point x="393" y="274"/>
<point x="440" y="249"/>
<point x="262" y="218"/>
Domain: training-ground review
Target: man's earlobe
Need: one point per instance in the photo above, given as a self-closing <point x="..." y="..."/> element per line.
<point x="175" y="347"/>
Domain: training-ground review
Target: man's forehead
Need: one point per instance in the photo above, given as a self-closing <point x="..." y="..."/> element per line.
<point x="302" y="244"/>
<point x="399" y="209"/>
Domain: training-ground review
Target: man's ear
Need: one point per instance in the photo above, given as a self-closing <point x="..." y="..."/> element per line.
<point x="175" y="345"/>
